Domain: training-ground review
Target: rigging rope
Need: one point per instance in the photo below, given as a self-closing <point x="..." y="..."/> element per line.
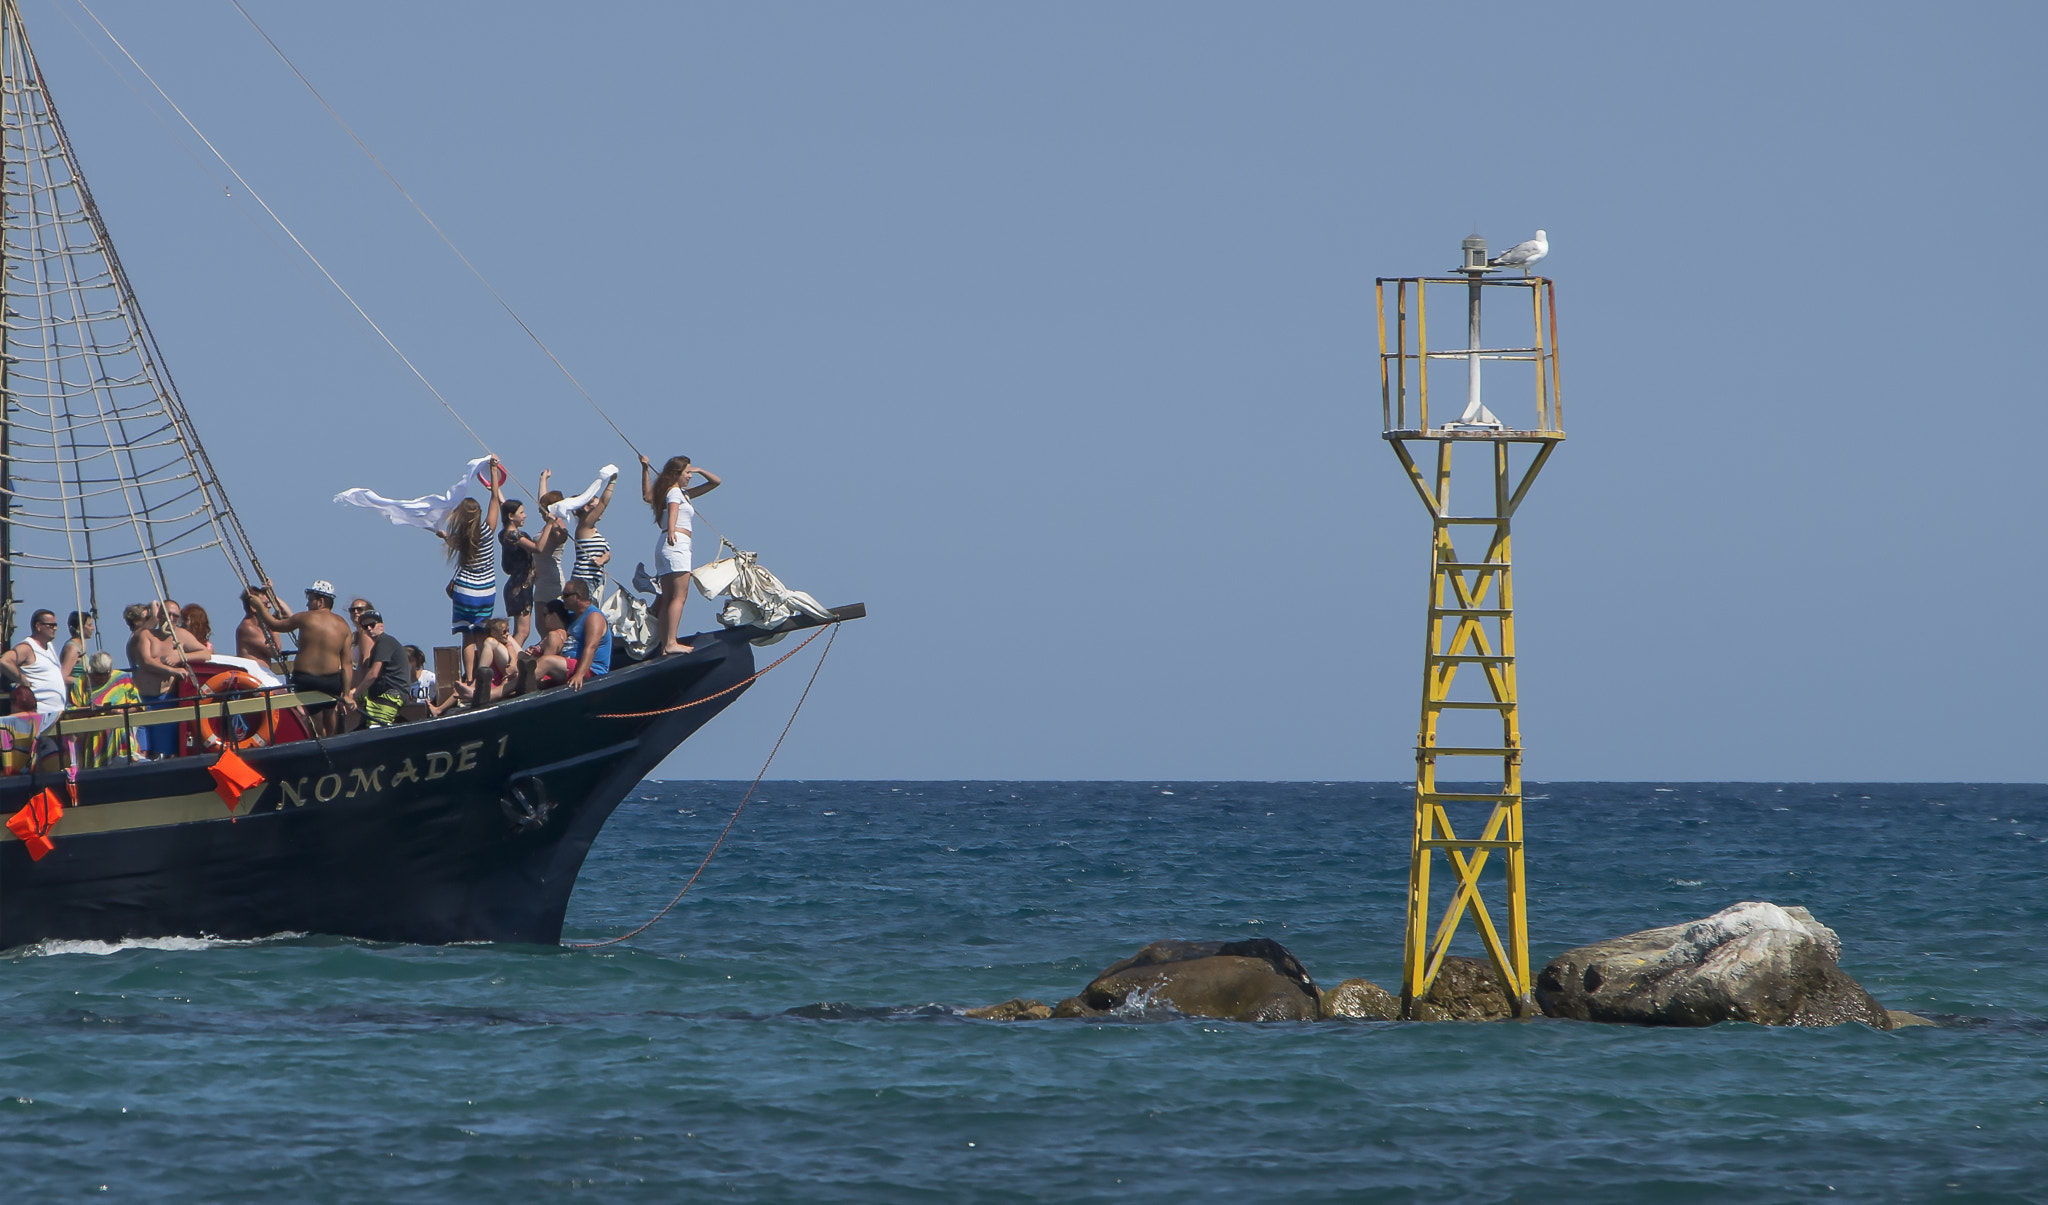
<point x="281" y="225"/>
<point x="751" y="788"/>
<point x="436" y="226"/>
<point x="641" y="715"/>
<point x="417" y="208"/>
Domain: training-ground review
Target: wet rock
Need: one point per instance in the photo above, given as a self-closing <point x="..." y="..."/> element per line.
<point x="1012" y="1010"/>
<point x="1753" y="962"/>
<point x="1357" y="999"/>
<point x="1904" y="1020"/>
<point x="1074" y="1006"/>
<point x="834" y="1010"/>
<point x="1465" y="989"/>
<point x="1254" y="980"/>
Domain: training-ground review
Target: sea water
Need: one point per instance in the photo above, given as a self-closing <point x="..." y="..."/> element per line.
<point x="695" y="1060"/>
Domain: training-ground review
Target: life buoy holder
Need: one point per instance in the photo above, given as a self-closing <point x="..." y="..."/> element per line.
<point x="261" y="723"/>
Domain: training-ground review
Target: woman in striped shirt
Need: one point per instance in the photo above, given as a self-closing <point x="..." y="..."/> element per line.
<point x="473" y="548"/>
<point x="593" y="551"/>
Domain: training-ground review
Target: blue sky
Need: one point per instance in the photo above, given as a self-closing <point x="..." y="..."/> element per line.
<point x="1047" y="332"/>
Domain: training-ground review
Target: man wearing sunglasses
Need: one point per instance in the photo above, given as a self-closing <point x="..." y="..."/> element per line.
<point x="35" y="663"/>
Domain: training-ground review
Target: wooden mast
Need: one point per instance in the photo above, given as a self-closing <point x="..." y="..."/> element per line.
<point x="7" y="38"/>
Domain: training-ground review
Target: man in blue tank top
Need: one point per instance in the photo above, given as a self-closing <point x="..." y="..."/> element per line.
<point x="588" y="651"/>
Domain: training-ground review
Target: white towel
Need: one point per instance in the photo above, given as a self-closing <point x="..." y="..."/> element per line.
<point x="568" y="506"/>
<point x="427" y="512"/>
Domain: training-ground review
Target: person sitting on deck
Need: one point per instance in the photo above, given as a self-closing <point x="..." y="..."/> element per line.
<point x="588" y="651"/>
<point x="424" y="685"/>
<point x="497" y="663"/>
<point x="359" y="643"/>
<point x="103" y="690"/>
<point x="323" y="648"/>
<point x="381" y="680"/>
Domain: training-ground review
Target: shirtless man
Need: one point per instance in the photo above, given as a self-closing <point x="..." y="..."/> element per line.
<point x="323" y="648"/>
<point x="148" y="653"/>
<point x="153" y="673"/>
<point x="252" y="639"/>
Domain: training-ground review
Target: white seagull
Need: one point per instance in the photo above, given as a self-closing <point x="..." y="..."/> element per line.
<point x="1523" y="255"/>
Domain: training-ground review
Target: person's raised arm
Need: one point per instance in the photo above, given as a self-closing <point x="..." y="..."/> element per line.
<point x="272" y="604"/>
<point x="275" y="615"/>
<point x="570" y="505"/>
<point x="604" y="499"/>
<point x="497" y="473"/>
<point x="711" y="482"/>
<point x="646" y="478"/>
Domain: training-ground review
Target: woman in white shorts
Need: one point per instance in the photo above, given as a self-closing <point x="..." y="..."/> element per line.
<point x="669" y="495"/>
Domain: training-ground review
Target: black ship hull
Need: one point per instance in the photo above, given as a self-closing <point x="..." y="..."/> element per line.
<point x="471" y="827"/>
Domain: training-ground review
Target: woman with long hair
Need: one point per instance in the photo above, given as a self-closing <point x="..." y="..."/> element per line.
<point x="474" y="548"/>
<point x="669" y="495"/>
<point x="194" y="619"/>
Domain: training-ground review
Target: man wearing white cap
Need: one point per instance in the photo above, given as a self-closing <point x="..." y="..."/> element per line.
<point x="323" y="648"/>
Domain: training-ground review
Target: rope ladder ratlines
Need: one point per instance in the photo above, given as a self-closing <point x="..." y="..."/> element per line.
<point x="84" y="366"/>
<point x="289" y="233"/>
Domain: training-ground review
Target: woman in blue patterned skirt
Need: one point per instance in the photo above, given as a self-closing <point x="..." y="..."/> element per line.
<point x="474" y="549"/>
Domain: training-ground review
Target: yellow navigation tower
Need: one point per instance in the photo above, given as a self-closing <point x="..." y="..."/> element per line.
<point x="1471" y="593"/>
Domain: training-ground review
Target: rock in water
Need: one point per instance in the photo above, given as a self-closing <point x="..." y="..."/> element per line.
<point x="1011" y="1010"/>
<point x="1465" y="989"/>
<point x="1359" y="1000"/>
<point x="1255" y="980"/>
<point x="1753" y="962"/>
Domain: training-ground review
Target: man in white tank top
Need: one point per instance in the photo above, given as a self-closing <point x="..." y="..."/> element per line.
<point x="35" y="663"/>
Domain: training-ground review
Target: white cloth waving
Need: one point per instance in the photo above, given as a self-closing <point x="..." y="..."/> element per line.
<point x="428" y="512"/>
<point x="567" y="507"/>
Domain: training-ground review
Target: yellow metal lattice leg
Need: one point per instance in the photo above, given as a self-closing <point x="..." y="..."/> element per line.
<point x="1463" y="629"/>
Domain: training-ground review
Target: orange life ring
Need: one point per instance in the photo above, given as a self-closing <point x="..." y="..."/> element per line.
<point x="259" y="733"/>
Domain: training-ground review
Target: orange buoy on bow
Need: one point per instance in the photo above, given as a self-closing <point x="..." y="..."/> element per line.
<point x="259" y="732"/>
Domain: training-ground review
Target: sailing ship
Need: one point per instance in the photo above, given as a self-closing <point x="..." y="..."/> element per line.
<point x="469" y="827"/>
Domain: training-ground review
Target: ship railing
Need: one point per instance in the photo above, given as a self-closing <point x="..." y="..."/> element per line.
<point x="90" y="721"/>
